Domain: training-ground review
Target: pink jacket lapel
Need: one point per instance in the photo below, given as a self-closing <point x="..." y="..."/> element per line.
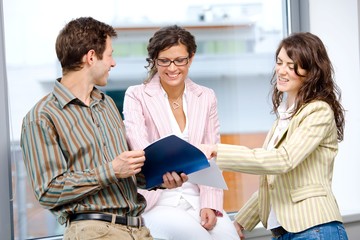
<point x="155" y="102"/>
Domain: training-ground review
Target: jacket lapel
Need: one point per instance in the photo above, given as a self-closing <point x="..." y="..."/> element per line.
<point x="156" y="104"/>
<point x="195" y="106"/>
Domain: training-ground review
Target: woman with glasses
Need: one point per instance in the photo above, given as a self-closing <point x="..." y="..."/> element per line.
<point x="168" y="102"/>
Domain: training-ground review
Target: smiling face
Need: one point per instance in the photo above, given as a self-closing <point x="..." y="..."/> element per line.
<point x="287" y="79"/>
<point x="103" y="66"/>
<point x="174" y="76"/>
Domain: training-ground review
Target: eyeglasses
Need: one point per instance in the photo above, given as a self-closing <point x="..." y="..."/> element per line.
<point x="164" y="62"/>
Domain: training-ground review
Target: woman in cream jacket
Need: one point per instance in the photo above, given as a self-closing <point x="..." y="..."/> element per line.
<point x="295" y="199"/>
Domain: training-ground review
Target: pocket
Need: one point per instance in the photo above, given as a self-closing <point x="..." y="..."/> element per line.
<point x="145" y="234"/>
<point x="86" y="230"/>
<point x="304" y="192"/>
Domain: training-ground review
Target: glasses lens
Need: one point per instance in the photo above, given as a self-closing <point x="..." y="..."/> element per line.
<point x="181" y="61"/>
<point x="164" y="62"/>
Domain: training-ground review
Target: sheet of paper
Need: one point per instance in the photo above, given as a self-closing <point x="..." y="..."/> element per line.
<point x="211" y="176"/>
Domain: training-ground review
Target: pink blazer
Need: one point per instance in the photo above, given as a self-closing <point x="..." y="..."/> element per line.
<point x="146" y="121"/>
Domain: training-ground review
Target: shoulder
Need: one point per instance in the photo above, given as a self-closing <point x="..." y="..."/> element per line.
<point x="318" y="109"/>
<point x="42" y="110"/>
<point x="43" y="106"/>
<point x="135" y="90"/>
<point x="198" y="89"/>
<point x="317" y="105"/>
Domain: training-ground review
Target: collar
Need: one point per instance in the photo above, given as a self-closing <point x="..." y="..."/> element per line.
<point x="285" y="113"/>
<point x="165" y="94"/>
<point x="64" y="96"/>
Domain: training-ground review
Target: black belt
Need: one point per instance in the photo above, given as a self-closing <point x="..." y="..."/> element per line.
<point x="278" y="232"/>
<point x="128" y="220"/>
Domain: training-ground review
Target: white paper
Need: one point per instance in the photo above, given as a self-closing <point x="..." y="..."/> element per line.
<point x="211" y="176"/>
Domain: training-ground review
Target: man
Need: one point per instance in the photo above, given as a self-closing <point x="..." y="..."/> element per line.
<point x="74" y="144"/>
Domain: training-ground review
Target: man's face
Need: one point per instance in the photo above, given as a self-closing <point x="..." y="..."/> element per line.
<point x="104" y="65"/>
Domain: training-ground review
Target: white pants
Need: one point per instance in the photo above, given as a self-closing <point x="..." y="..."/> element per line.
<point x="183" y="223"/>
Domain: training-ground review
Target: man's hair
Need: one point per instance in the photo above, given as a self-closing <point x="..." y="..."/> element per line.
<point x="77" y="38"/>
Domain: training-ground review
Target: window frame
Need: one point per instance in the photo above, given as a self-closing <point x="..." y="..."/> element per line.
<point x="6" y="203"/>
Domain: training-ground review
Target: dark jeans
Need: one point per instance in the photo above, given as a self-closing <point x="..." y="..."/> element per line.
<point x="327" y="231"/>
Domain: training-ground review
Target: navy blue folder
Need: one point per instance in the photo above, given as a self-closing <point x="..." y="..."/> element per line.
<point x="171" y="154"/>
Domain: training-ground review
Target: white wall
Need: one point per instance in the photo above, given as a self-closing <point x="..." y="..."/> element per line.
<point x="337" y="24"/>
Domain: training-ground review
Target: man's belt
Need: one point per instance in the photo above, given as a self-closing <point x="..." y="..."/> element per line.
<point x="128" y="220"/>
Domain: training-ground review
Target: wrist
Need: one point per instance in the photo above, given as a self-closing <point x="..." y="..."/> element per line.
<point x="218" y="213"/>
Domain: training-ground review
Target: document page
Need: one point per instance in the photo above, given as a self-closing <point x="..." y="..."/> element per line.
<point x="211" y="176"/>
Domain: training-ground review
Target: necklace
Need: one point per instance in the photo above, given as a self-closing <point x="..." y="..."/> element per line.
<point x="176" y="103"/>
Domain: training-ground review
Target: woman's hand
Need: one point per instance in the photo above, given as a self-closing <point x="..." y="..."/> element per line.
<point x="174" y="180"/>
<point x="239" y="230"/>
<point x="208" y="218"/>
<point x="209" y="150"/>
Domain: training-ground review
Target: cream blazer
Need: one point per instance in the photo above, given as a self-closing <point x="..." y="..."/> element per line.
<point x="295" y="177"/>
<point x="146" y="120"/>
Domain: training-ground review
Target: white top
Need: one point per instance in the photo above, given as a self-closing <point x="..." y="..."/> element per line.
<point x="283" y="123"/>
<point x="188" y="191"/>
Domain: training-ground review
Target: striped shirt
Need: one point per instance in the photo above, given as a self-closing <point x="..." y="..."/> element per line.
<point x="68" y="148"/>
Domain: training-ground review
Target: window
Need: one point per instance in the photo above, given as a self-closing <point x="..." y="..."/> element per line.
<point x="236" y="42"/>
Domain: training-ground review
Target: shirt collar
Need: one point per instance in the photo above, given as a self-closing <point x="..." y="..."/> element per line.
<point x="283" y="111"/>
<point x="64" y="96"/>
<point x="165" y="94"/>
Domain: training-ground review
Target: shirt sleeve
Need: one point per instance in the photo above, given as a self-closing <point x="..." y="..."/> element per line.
<point x="314" y="126"/>
<point x="211" y="197"/>
<point x="47" y="166"/>
<point x="248" y="215"/>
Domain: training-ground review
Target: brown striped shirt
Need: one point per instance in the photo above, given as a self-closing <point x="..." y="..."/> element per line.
<point x="68" y="148"/>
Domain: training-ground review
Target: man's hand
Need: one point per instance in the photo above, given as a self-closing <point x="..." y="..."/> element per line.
<point x="208" y="218"/>
<point x="128" y="163"/>
<point x="209" y="150"/>
<point x="239" y="230"/>
<point x="173" y="180"/>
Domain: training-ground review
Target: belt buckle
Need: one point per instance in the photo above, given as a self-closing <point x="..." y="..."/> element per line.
<point x="134" y="221"/>
<point x="278" y="232"/>
<point x="275" y="236"/>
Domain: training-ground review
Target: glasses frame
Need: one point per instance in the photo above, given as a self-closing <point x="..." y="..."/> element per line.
<point x="173" y="61"/>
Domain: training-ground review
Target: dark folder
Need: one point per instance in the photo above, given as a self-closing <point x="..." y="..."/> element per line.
<point x="171" y="154"/>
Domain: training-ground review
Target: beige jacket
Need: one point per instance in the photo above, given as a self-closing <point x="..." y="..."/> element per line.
<point x="295" y="177"/>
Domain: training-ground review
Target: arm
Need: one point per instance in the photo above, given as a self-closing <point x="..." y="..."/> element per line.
<point x="248" y="215"/>
<point x="211" y="199"/>
<point x="308" y="130"/>
<point x="48" y="168"/>
<point x="140" y="135"/>
<point x="137" y="133"/>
